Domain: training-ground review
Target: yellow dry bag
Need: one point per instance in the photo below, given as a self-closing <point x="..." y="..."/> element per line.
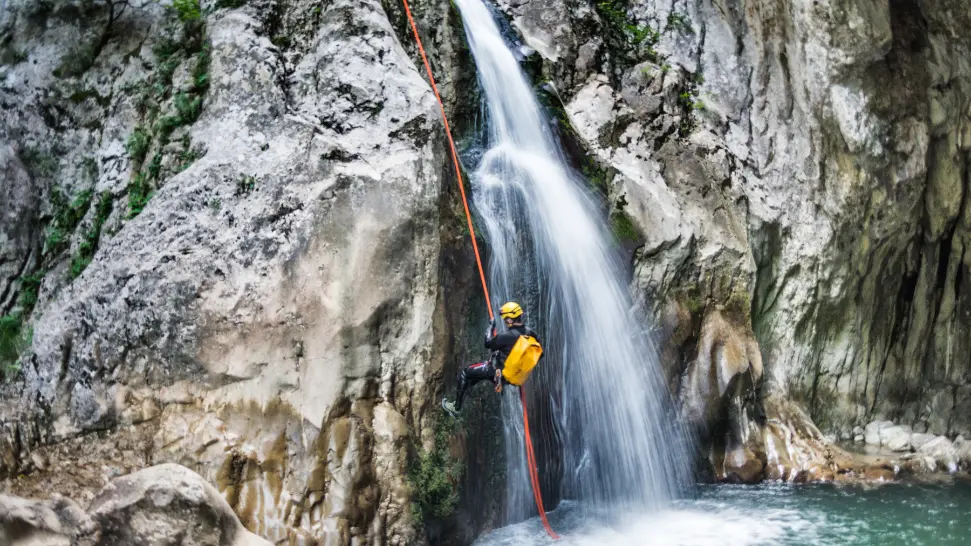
<point x="523" y="357"/>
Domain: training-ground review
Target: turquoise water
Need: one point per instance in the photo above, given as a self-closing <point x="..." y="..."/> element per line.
<point x="769" y="515"/>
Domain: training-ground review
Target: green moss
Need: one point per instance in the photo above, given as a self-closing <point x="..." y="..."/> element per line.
<point x="434" y="477"/>
<point x="623" y="226"/>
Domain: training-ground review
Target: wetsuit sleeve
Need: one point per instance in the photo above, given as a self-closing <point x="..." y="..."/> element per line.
<point x="502" y="341"/>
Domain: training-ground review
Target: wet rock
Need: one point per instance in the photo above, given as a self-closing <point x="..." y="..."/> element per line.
<point x="859" y="438"/>
<point x="167" y="504"/>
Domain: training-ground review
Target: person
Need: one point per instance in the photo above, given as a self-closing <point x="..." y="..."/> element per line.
<point x="500" y="345"/>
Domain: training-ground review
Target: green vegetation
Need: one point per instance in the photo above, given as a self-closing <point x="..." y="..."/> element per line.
<point x="66" y="217"/>
<point x="77" y="61"/>
<point x="622" y="224"/>
<point x="15" y="337"/>
<point x="89" y="242"/>
<point x="29" y="290"/>
<point x="187" y="10"/>
<point x="137" y="145"/>
<point x="139" y="192"/>
<point x="245" y="185"/>
<point x="188" y="155"/>
<point x="434" y="477"/>
<point x="166" y="109"/>
<point x="688" y="103"/>
<point x="39" y="163"/>
<point x="624" y="35"/>
<point x="13" y="340"/>
<point x="679" y="22"/>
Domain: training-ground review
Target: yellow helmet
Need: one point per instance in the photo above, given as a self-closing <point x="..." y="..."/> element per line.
<point x="511" y="310"/>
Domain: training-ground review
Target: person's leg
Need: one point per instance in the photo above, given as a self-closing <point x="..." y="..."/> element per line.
<point x="471" y="375"/>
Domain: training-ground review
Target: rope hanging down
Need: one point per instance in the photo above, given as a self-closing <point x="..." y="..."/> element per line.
<point x="530" y="456"/>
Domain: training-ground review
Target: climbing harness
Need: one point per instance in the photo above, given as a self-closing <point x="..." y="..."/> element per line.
<point x="530" y="456"/>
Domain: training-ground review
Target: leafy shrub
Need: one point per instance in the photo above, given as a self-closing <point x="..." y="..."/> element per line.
<point x="188" y="108"/>
<point x="137" y="144"/>
<point x="434" y="477"/>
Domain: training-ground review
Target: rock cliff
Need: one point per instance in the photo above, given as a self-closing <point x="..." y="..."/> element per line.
<point x="794" y="173"/>
<point x="222" y="234"/>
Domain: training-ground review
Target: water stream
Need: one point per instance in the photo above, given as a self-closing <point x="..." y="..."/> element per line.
<point x="602" y="411"/>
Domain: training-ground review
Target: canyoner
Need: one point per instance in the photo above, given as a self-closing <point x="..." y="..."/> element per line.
<point x="515" y="353"/>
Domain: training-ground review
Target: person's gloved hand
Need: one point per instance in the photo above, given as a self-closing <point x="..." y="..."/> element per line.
<point x="490" y="330"/>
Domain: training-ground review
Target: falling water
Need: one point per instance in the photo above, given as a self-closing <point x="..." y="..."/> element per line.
<point x="551" y="249"/>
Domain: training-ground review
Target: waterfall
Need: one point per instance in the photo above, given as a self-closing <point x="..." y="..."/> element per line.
<point x="606" y="412"/>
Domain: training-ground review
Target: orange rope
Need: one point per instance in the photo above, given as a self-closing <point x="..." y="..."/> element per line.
<point x="533" y="474"/>
<point x="455" y="157"/>
<point x="530" y="456"/>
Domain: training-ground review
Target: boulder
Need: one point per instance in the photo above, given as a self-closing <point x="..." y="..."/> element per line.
<point x="895" y="438"/>
<point x="942" y="451"/>
<point x="872" y="431"/>
<point x="962" y="451"/>
<point x="57" y="522"/>
<point x="918" y="439"/>
<point x="167" y="504"/>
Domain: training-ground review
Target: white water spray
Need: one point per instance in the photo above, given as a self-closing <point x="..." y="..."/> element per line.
<point x="605" y="413"/>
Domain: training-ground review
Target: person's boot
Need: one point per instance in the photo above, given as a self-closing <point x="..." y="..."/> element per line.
<point x="450" y="408"/>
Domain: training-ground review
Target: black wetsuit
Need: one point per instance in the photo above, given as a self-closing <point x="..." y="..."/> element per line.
<point x="500" y="345"/>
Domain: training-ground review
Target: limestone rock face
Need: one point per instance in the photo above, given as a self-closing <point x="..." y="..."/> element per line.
<point x="799" y="161"/>
<point x="246" y="274"/>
